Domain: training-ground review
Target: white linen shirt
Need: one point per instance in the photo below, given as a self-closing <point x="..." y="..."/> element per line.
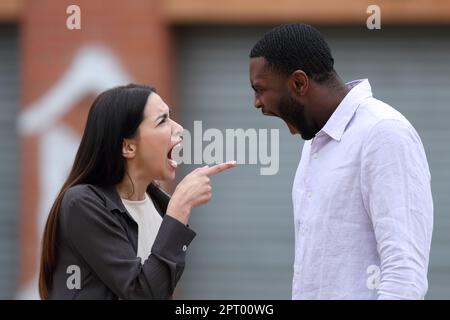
<point x="363" y="208"/>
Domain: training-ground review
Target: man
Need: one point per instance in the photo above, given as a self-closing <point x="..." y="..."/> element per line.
<point x="362" y="201"/>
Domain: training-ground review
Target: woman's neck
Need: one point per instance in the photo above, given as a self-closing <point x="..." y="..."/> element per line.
<point x="132" y="188"/>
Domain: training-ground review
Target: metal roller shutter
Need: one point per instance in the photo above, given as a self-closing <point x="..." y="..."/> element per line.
<point x="244" y="248"/>
<point x="9" y="160"/>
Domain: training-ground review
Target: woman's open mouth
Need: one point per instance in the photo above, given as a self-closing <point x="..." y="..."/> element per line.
<point x="172" y="162"/>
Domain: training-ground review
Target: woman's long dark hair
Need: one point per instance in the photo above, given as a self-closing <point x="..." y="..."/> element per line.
<point x="114" y="115"/>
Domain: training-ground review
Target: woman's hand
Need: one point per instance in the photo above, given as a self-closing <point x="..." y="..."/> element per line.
<point x="194" y="190"/>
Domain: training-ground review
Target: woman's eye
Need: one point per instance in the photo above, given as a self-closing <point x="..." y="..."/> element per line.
<point x="162" y="121"/>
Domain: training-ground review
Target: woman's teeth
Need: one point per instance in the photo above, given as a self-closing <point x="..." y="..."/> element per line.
<point x="173" y="163"/>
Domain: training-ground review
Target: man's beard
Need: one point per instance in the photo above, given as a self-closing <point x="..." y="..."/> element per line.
<point x="293" y="112"/>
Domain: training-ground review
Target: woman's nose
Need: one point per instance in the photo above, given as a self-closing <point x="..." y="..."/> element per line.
<point x="177" y="128"/>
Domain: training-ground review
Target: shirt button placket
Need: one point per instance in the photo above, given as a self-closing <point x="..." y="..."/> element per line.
<point x="314" y="156"/>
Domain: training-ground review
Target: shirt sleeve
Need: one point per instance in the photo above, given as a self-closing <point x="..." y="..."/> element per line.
<point x="97" y="235"/>
<point x="396" y="189"/>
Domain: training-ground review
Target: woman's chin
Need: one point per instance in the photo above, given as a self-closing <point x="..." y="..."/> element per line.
<point x="171" y="176"/>
<point x="170" y="172"/>
<point x="166" y="174"/>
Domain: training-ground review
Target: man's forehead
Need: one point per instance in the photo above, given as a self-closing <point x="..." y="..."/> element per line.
<point x="260" y="68"/>
<point x="263" y="73"/>
<point x="259" y="63"/>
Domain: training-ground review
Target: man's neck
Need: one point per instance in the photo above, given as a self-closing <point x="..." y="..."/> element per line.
<point x="330" y="98"/>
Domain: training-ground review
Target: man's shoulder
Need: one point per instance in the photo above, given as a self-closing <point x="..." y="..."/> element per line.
<point x="383" y="127"/>
<point x="374" y="114"/>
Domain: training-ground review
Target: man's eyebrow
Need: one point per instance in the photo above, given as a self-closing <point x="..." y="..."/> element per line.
<point x="256" y="85"/>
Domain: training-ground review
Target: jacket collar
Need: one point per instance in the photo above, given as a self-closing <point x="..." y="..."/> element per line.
<point x="113" y="201"/>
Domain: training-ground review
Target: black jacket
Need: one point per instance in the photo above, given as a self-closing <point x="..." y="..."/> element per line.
<point x="96" y="234"/>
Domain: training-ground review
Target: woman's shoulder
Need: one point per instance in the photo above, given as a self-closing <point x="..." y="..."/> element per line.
<point x="82" y="193"/>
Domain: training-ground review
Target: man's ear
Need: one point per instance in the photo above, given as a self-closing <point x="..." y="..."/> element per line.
<point x="299" y="83"/>
<point x="128" y="148"/>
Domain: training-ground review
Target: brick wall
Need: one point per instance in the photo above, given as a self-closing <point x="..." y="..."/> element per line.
<point x="135" y="31"/>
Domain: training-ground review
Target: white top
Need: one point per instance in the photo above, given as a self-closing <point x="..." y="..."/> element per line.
<point x="363" y="208"/>
<point x="148" y="220"/>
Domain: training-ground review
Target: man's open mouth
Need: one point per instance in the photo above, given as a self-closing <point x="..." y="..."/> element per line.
<point x="268" y="113"/>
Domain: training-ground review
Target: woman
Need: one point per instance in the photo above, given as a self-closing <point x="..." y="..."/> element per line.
<point x="112" y="233"/>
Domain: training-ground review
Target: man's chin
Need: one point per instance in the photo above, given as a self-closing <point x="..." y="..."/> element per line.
<point x="293" y="130"/>
<point x="304" y="136"/>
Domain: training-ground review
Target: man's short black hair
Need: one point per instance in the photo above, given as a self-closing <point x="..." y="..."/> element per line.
<point x="291" y="47"/>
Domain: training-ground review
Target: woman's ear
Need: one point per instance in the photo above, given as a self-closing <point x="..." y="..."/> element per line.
<point x="128" y="149"/>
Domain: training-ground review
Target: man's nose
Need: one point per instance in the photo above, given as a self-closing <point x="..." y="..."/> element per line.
<point x="257" y="103"/>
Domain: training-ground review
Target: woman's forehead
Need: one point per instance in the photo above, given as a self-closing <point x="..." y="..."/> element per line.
<point x="155" y="105"/>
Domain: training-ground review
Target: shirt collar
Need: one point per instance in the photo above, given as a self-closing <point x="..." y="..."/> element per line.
<point x="336" y="125"/>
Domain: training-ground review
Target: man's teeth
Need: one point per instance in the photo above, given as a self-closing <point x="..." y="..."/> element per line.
<point x="173" y="163"/>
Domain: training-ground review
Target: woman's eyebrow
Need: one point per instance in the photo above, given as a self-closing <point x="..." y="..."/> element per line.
<point x="162" y="116"/>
